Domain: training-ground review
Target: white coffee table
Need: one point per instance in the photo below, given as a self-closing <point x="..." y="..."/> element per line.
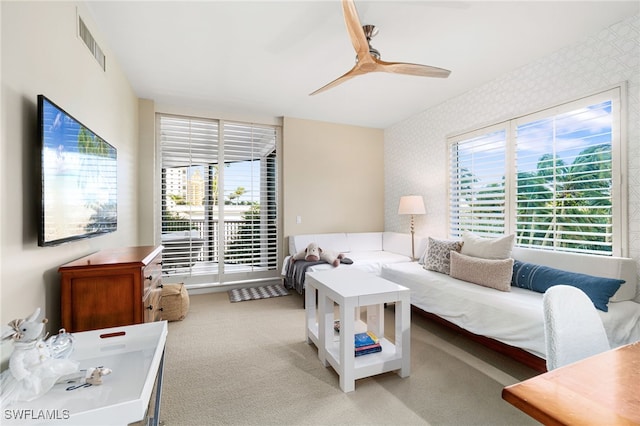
<point x="135" y="353"/>
<point x="352" y="289"/>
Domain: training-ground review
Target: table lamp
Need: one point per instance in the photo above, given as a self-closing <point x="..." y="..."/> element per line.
<point x="412" y="205"/>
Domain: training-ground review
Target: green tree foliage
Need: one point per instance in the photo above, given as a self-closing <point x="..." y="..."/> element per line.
<point x="565" y="205"/>
<point x="245" y="247"/>
<point x="172" y="221"/>
<point x="236" y="194"/>
<point x="90" y="144"/>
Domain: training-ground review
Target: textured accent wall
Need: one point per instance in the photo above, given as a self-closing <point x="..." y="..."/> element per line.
<point x="415" y="149"/>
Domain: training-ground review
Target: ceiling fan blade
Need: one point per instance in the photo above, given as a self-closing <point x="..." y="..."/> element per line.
<point x="352" y="73"/>
<point x="412" y="69"/>
<point x="354" y="28"/>
<point x="367" y="60"/>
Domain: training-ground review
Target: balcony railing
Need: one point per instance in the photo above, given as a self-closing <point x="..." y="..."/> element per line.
<point x="245" y="242"/>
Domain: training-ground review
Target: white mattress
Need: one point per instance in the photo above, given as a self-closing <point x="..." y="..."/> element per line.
<point x="514" y="317"/>
<point x="367" y="260"/>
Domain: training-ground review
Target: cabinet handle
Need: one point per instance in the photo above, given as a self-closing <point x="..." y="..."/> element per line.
<point x="160" y="286"/>
<point x="150" y="307"/>
<point x="161" y="309"/>
<point x="150" y="278"/>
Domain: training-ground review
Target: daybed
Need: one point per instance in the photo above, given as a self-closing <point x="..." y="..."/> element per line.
<point x="515" y="318"/>
<point x="508" y="321"/>
<point x="369" y="251"/>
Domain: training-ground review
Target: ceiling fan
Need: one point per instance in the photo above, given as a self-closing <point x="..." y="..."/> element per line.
<point x="368" y="58"/>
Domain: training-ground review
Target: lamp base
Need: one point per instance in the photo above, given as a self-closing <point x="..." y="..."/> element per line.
<point x="413" y="244"/>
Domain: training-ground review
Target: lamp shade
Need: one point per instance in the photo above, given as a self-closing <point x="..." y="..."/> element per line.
<point x="411" y="204"/>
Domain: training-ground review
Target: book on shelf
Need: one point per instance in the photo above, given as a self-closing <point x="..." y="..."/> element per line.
<point x="363" y="343"/>
<point x="365" y="339"/>
<point x="369" y="349"/>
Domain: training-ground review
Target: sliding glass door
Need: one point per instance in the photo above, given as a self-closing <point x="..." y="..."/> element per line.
<point x="219" y="200"/>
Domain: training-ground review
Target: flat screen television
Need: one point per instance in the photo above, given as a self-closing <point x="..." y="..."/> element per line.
<point x="78" y="181"/>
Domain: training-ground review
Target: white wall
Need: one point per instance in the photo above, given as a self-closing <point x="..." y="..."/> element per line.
<point x="415" y="149"/>
<point x="41" y="54"/>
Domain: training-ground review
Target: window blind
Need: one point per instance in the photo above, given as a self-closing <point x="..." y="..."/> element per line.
<point x="477" y="187"/>
<point x="252" y="183"/>
<point x="564" y="180"/>
<point x="219" y="200"/>
<point x="553" y="178"/>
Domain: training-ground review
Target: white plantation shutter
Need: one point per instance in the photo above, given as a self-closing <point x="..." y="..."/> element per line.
<point x="476" y="182"/>
<point x="189" y="147"/>
<point x="219" y="200"/>
<point x="567" y="184"/>
<point x="553" y="178"/>
<point x="252" y="149"/>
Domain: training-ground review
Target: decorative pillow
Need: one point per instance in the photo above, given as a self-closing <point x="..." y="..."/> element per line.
<point x="487" y="248"/>
<point x="437" y="257"/>
<point x="539" y="278"/>
<point x="493" y="273"/>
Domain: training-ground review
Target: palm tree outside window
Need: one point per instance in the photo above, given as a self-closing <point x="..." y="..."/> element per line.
<point x="552" y="178"/>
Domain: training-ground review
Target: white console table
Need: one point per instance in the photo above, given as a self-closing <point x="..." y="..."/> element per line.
<point x="134" y="353"/>
<point x="351" y="290"/>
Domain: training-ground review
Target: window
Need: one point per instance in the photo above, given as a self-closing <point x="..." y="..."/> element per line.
<point x="219" y="200"/>
<point x="552" y="178"/>
<point x="477" y="192"/>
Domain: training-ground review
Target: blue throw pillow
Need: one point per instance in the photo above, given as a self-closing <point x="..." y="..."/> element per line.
<point x="539" y="278"/>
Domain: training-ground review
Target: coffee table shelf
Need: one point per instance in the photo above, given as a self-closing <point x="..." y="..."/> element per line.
<point x="352" y="290"/>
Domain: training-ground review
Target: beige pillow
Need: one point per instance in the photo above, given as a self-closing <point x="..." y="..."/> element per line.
<point x="485" y="272"/>
<point x="487" y="248"/>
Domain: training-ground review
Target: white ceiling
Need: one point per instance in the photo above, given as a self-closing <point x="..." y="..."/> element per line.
<point x="263" y="58"/>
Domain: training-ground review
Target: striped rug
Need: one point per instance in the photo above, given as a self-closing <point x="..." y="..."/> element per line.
<point x="254" y="293"/>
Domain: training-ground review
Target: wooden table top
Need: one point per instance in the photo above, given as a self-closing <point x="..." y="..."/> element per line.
<point x="115" y="256"/>
<point x="601" y="390"/>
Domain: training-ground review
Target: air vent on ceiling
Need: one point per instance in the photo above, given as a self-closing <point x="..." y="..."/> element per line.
<point x="96" y="51"/>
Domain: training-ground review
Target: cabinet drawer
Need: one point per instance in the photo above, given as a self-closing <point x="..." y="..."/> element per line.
<point x="152" y="276"/>
<point x="151" y="303"/>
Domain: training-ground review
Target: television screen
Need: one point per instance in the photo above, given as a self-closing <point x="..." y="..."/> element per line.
<point x="79" y="178"/>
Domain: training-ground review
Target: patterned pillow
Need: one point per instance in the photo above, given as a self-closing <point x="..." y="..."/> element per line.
<point x="438" y="254"/>
<point x="493" y="273"/>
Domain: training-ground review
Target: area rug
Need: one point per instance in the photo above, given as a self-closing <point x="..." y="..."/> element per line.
<point x="254" y="293"/>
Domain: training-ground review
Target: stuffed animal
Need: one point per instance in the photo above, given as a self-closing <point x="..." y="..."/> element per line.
<point x="313" y="253"/>
<point x="95" y="375"/>
<point x="32" y="370"/>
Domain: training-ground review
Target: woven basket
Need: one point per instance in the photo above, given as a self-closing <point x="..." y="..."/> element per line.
<point x="174" y="302"/>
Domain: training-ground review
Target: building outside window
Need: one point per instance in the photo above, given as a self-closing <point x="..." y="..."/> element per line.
<point x="219" y="200"/>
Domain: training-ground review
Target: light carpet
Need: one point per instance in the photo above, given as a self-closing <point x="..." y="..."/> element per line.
<point x="249" y="364"/>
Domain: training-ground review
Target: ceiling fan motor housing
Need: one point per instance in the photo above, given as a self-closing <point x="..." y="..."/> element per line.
<point x="371" y="31"/>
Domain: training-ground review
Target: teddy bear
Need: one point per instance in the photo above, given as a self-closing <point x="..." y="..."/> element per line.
<point x="32" y="368"/>
<point x="313" y="253"/>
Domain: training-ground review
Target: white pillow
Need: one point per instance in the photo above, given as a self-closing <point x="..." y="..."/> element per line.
<point x="487" y="248"/>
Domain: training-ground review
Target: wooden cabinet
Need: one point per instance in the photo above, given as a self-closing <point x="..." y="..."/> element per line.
<point x="111" y="288"/>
